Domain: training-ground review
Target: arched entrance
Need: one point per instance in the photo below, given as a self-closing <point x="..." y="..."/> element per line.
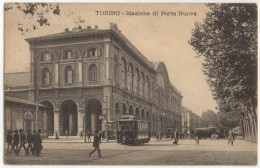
<point x="92" y="112"/>
<point x="50" y="117"/>
<point x="68" y="118"/>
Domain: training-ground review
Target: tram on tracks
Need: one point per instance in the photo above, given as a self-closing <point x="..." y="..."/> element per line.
<point x="207" y="132"/>
<point x="132" y="130"/>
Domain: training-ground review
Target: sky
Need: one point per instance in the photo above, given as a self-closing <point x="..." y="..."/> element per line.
<point x="158" y="38"/>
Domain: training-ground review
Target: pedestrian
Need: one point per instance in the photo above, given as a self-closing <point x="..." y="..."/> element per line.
<point x="9" y="139"/>
<point x="81" y="134"/>
<point x="57" y="136"/>
<point x="230" y="137"/>
<point x="176" y="137"/>
<point x="197" y="138"/>
<point x="119" y="136"/>
<point x="96" y="145"/>
<point x="99" y="136"/>
<point x="30" y="142"/>
<point x="37" y="142"/>
<point x="103" y="135"/>
<point x="16" y="142"/>
<point x="66" y="133"/>
<point x="22" y="142"/>
<point x="88" y="134"/>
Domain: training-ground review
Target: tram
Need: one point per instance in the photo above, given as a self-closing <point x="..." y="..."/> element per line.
<point x="132" y="130"/>
<point x="207" y="132"/>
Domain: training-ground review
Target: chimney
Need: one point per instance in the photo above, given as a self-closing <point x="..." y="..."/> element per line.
<point x="96" y="26"/>
<point x="66" y="30"/>
<point x="88" y="27"/>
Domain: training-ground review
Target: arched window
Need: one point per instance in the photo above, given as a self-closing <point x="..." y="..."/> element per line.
<point x="117" y="111"/>
<point x="160" y="80"/>
<point x="93" y="73"/>
<point x="69" y="74"/>
<point x="131" y="110"/>
<point x="142" y="113"/>
<point x="93" y="52"/>
<point x="46" y="76"/>
<point x="124" y="108"/>
<point x="147" y="114"/>
<point x="130" y="77"/>
<point x="147" y="88"/>
<point x="116" y="69"/>
<point x="142" y="80"/>
<point x="137" y="111"/>
<point x="136" y="80"/>
<point x="123" y="73"/>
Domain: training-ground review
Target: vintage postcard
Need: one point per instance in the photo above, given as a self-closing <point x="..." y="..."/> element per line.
<point x="130" y="84"/>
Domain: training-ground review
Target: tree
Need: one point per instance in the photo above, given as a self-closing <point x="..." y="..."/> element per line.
<point x="37" y="14"/>
<point x="210" y="118"/>
<point x="230" y="120"/>
<point x="227" y="39"/>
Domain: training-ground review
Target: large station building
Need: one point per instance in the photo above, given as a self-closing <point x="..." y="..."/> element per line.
<point x="88" y="78"/>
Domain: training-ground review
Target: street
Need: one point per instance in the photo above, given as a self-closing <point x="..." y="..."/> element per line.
<point x="154" y="153"/>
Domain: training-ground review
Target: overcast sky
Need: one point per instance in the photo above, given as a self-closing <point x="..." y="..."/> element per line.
<point x="159" y="38"/>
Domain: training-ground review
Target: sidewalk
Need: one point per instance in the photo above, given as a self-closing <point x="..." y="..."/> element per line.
<point x="70" y="139"/>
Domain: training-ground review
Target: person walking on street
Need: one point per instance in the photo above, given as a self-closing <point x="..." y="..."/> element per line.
<point x="66" y="133"/>
<point x="197" y="138"/>
<point x="230" y="137"/>
<point x="81" y="134"/>
<point x="88" y="134"/>
<point x="96" y="145"/>
<point x="37" y="142"/>
<point x="16" y="142"/>
<point x="57" y="136"/>
<point x="176" y="137"/>
<point x="30" y="142"/>
<point x="22" y="142"/>
<point x="9" y="139"/>
<point x="99" y="136"/>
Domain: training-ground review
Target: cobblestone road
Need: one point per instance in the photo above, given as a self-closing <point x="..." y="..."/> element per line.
<point x="154" y="153"/>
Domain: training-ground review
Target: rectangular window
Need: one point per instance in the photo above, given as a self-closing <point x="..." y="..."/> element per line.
<point x="69" y="54"/>
<point x="46" y="56"/>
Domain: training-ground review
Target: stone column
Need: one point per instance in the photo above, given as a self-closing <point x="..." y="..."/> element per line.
<point x="56" y="121"/>
<point x="80" y="121"/>
<point x="56" y="75"/>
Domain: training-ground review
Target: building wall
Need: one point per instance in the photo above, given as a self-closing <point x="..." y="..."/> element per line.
<point x="190" y="121"/>
<point x="124" y="79"/>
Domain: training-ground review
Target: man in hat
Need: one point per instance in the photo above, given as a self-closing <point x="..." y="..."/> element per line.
<point x="30" y="142"/>
<point x="96" y="145"/>
<point x="37" y="142"/>
<point x="9" y="140"/>
<point x="22" y="142"/>
<point x="16" y="142"/>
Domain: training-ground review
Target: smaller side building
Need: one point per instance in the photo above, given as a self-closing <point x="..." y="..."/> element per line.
<point x="24" y="114"/>
<point x="190" y="121"/>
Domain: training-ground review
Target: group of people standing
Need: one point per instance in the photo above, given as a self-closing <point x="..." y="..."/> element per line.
<point x="29" y="142"/>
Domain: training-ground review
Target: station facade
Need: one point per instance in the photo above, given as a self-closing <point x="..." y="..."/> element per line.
<point x="88" y="78"/>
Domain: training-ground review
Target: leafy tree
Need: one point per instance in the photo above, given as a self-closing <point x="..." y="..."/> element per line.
<point x="210" y="118"/>
<point x="37" y="14"/>
<point x="230" y="120"/>
<point x="227" y="39"/>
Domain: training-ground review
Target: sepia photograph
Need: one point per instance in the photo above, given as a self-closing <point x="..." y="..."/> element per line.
<point x="130" y="84"/>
